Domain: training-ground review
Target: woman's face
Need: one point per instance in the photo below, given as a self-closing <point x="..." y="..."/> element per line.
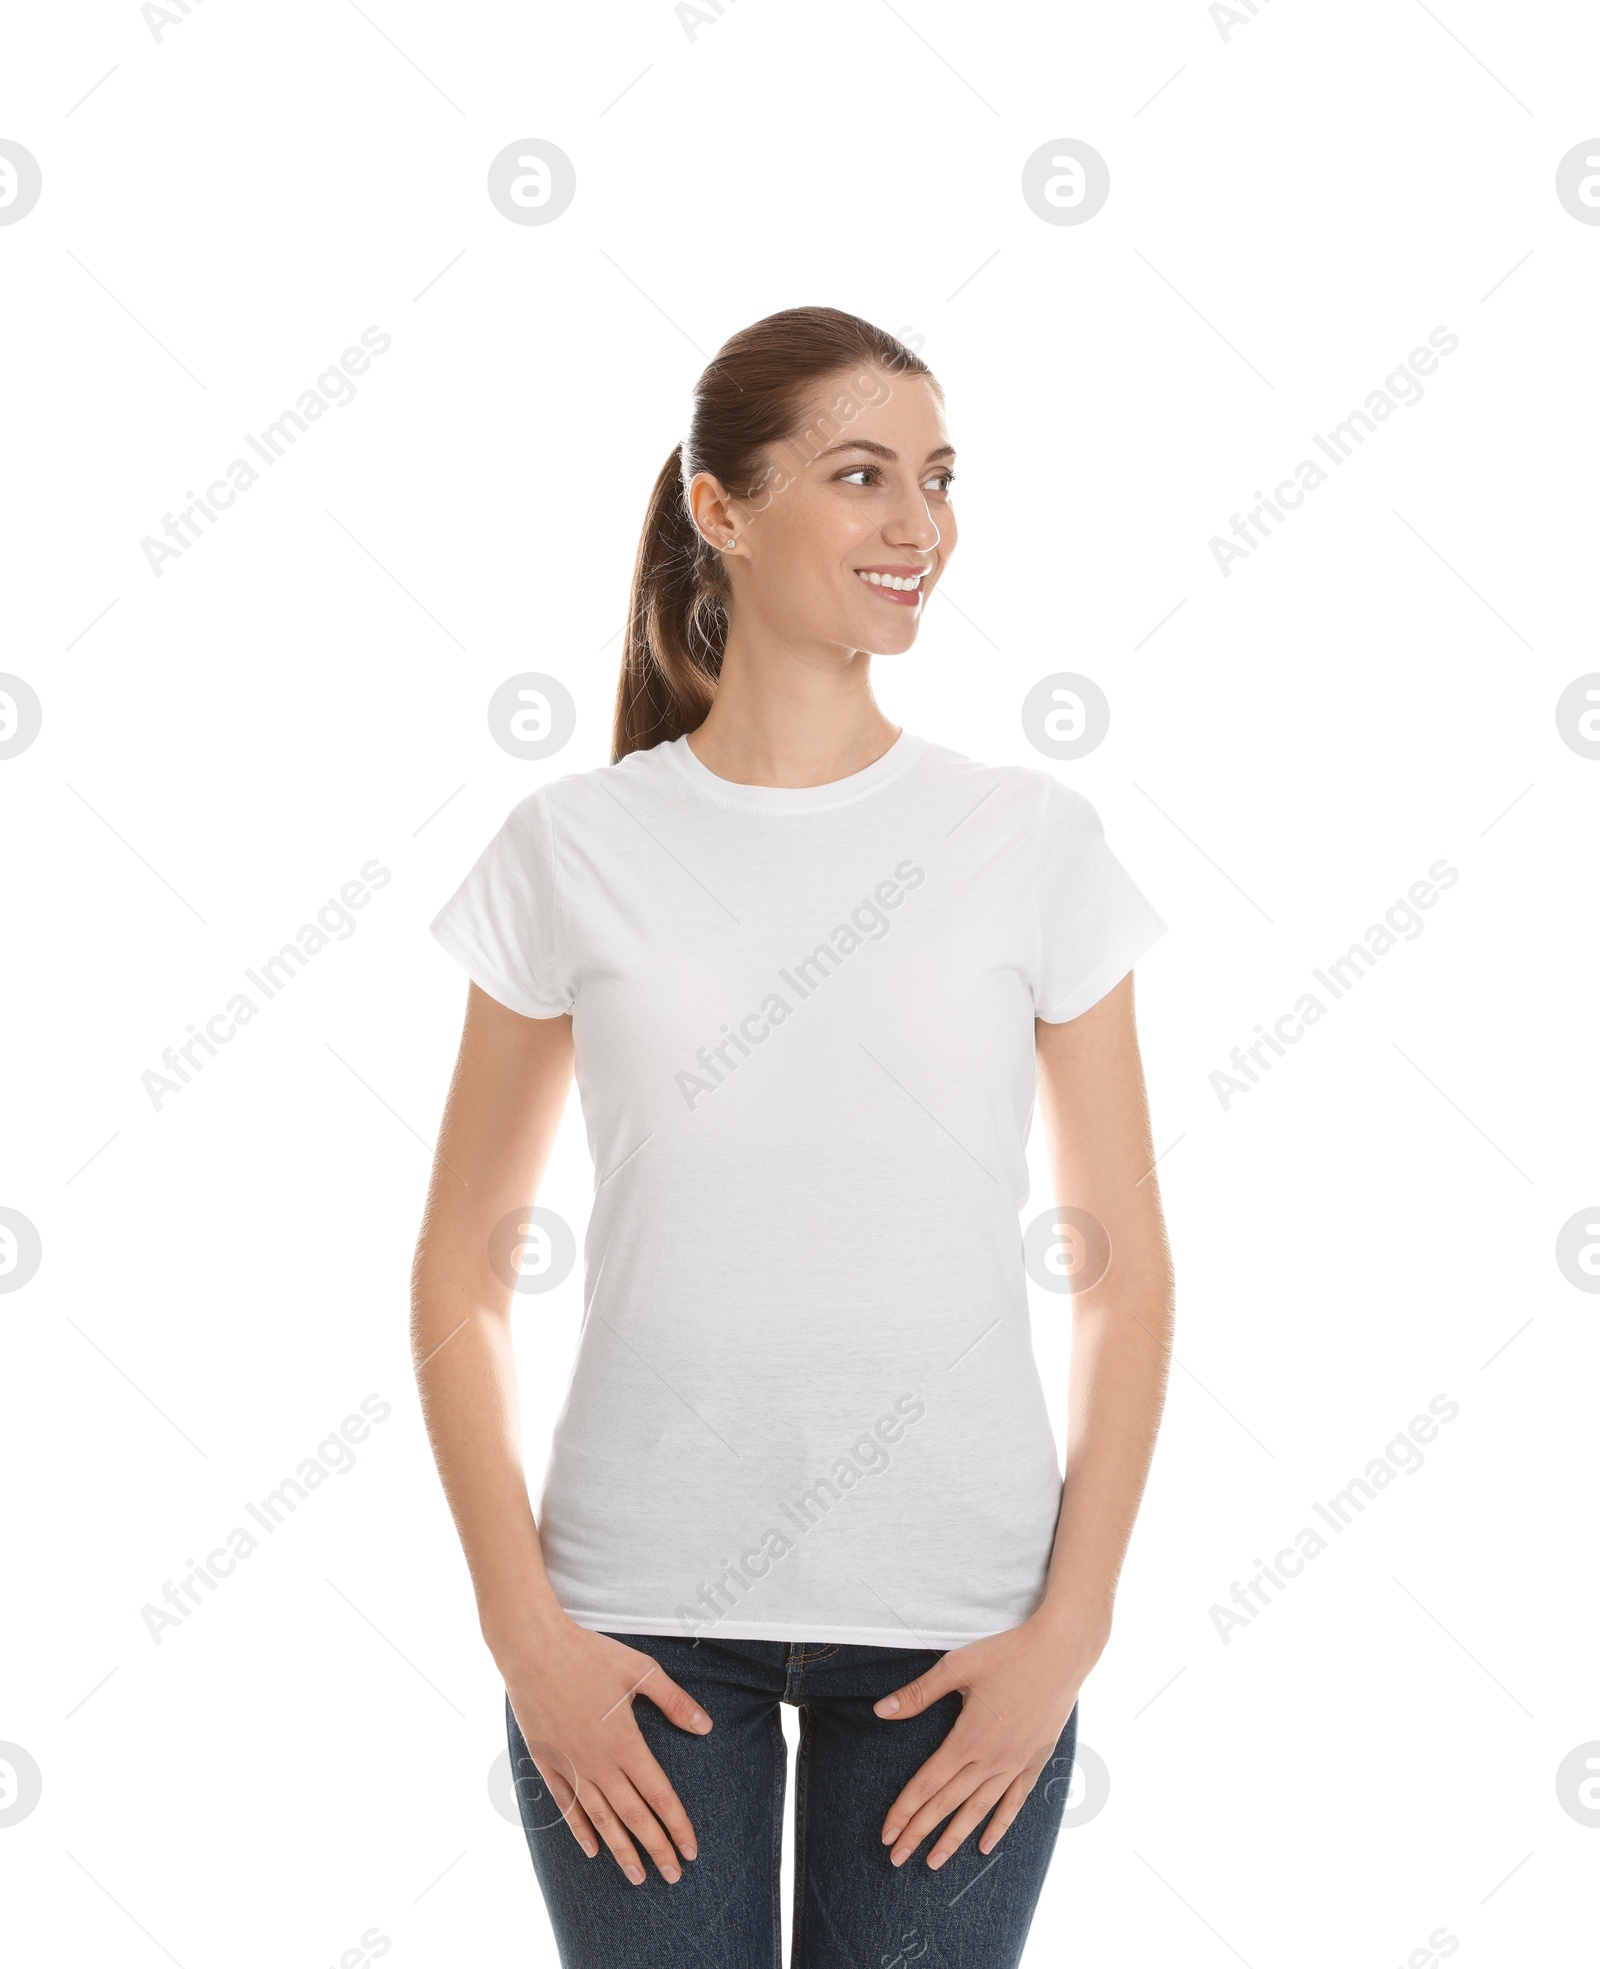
<point x="864" y="489"/>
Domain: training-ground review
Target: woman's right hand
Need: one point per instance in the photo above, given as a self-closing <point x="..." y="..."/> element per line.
<point x="572" y="1696"/>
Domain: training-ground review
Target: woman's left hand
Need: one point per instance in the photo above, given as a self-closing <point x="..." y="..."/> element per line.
<point x="1017" y="1690"/>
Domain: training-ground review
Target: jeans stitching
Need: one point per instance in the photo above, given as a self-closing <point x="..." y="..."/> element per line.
<point x="779" y="1766"/>
<point x="801" y="1769"/>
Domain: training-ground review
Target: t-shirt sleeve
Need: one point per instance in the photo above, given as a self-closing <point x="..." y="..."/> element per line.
<point x="504" y="924"/>
<point x="1093" y="921"/>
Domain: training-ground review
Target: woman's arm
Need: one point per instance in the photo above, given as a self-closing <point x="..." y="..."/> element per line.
<point x="1018" y="1688"/>
<point x="1097" y="1131"/>
<point x="569" y="1688"/>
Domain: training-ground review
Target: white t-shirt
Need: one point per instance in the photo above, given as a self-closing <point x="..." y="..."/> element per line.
<point x="804" y="1404"/>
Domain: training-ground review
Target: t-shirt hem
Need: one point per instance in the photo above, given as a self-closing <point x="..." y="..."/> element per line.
<point x="1103" y="977"/>
<point x="489" y="980"/>
<point x="734" y="1629"/>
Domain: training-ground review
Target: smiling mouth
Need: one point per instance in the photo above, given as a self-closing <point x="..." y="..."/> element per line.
<point x="903" y="590"/>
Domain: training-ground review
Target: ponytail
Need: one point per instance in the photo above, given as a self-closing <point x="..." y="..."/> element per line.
<point x="677" y="623"/>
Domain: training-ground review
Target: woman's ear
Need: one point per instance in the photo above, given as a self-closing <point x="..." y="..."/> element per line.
<point x="708" y="507"/>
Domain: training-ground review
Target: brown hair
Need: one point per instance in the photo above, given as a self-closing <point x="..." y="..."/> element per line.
<point x="750" y="396"/>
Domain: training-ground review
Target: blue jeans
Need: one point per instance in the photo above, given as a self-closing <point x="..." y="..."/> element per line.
<point x="852" y="1909"/>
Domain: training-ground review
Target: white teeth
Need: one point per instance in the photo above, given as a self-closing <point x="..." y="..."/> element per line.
<point x="891" y="580"/>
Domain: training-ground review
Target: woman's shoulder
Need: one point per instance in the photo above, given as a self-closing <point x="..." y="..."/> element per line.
<point x="590" y="791"/>
<point x="1034" y="793"/>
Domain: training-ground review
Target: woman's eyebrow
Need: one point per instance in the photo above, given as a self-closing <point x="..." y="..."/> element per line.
<point x="882" y="450"/>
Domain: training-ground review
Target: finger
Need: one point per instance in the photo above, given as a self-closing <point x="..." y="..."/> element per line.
<point x="655" y="1788"/>
<point x="582" y="1829"/>
<point x="561" y="1790"/>
<point x="937" y="1809"/>
<point x="928" y="1779"/>
<point x="1012" y="1803"/>
<point x="642" y="1823"/>
<point x="913" y="1697"/>
<point x="614" y="1833"/>
<point x="969" y="1816"/>
<point x="675" y="1703"/>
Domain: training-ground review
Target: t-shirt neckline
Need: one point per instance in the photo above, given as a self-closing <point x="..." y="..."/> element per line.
<point x="795" y="799"/>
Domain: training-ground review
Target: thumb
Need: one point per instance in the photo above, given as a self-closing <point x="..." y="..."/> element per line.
<point x="919" y="1693"/>
<point x="676" y="1704"/>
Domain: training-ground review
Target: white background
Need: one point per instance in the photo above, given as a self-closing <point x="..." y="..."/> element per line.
<point x="1374" y="1224"/>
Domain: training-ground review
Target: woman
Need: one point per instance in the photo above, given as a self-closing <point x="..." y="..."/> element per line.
<point x="810" y="968"/>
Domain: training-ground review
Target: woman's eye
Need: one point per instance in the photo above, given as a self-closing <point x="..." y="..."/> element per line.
<point x="870" y="472"/>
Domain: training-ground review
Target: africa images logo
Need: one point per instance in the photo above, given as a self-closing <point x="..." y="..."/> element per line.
<point x="868" y="924"/>
<point x="334" y="388"/>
